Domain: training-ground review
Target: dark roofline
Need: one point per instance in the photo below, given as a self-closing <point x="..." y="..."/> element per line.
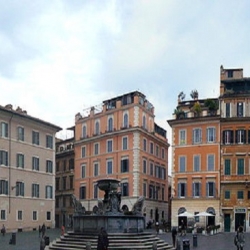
<point x="119" y="97"/>
<point x="26" y="116"/>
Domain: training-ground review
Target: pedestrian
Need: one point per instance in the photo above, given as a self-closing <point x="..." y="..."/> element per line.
<point x="43" y="229"/>
<point x="62" y="230"/>
<point x="42" y="243"/>
<point x="39" y="231"/>
<point x="3" y="230"/>
<point x="157" y="227"/>
<point x="174" y="234"/>
<point x="103" y="241"/>
<point x="183" y="228"/>
<point x="239" y="239"/>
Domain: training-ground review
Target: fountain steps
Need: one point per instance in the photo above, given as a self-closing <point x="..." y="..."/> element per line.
<point x="126" y="241"/>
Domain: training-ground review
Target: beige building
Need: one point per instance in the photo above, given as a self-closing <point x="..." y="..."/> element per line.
<point x="27" y="170"/>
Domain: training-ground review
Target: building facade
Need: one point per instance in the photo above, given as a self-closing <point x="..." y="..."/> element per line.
<point x="64" y="186"/>
<point x="27" y="172"/>
<point x="195" y="162"/>
<point x="235" y="151"/>
<point x="121" y="140"/>
<point x="211" y="155"/>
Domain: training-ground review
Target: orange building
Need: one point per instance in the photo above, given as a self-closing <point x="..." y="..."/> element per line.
<point x="196" y="161"/>
<point x="235" y="140"/>
<point x="120" y="140"/>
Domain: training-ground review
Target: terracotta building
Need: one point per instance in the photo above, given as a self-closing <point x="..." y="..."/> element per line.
<point x="195" y="161"/>
<point x="64" y="185"/>
<point x="211" y="155"/>
<point x="27" y="170"/>
<point x="120" y="139"/>
<point x="235" y="151"/>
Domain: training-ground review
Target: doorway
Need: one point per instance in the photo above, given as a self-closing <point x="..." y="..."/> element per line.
<point x="240" y="220"/>
<point x="227" y="223"/>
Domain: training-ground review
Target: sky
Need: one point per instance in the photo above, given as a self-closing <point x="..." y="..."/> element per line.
<point x="60" y="57"/>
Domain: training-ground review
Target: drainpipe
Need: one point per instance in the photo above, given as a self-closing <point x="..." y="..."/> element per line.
<point x="9" y="160"/>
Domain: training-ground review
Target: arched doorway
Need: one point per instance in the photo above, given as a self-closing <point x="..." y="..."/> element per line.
<point x="211" y="219"/>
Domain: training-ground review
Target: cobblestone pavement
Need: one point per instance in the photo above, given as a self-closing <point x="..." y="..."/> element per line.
<point x="220" y="241"/>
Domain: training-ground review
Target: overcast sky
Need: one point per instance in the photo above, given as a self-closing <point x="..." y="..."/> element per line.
<point x="59" y="57"/>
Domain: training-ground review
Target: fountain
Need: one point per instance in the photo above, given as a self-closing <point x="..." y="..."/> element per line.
<point x="108" y="213"/>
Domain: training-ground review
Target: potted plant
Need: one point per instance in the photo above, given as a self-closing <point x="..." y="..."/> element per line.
<point x="180" y="114"/>
<point x="196" y="109"/>
<point x="212" y="106"/>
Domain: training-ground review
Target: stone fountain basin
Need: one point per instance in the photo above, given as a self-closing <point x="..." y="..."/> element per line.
<point x="108" y="184"/>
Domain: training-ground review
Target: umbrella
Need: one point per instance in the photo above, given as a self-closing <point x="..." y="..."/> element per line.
<point x="204" y="214"/>
<point x="185" y="214"/>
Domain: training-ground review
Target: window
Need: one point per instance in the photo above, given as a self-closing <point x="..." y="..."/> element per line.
<point x="4" y="187"/>
<point x="144" y="166"/>
<point x="71" y="182"/>
<point x="96" y="169"/>
<point x="71" y="164"/>
<point x="124" y="143"/>
<point x="57" y="184"/>
<point x="35" y="137"/>
<point x="19" y="188"/>
<point x="84" y="131"/>
<point x="83" y="151"/>
<point x="49" y="166"/>
<point x="109" y="166"/>
<point x="124" y="189"/>
<point x="83" y="171"/>
<point x="82" y="192"/>
<point x="110" y="124"/>
<point x="145" y="144"/>
<point x="210" y="162"/>
<point x="197" y="135"/>
<point x="20" y="161"/>
<point x="182" y="189"/>
<point x="48" y="215"/>
<point x="210" y="135"/>
<point x="64" y="165"/>
<point x="163" y="153"/>
<point x="240" y="136"/>
<point x="64" y="182"/>
<point x="227" y="167"/>
<point x="125" y="120"/>
<point x="240" y="166"/>
<point x="144" y="125"/>
<point x="145" y="189"/>
<point x="124" y="165"/>
<point x="3" y="215"/>
<point x="228" y="110"/>
<point x="97" y="127"/>
<point x="34" y="215"/>
<point x="240" y="109"/>
<point x="96" y="148"/>
<point x="182" y="137"/>
<point x="48" y="192"/>
<point x="20" y="133"/>
<point x="227" y="194"/>
<point x="35" y="190"/>
<point x="57" y="166"/>
<point x="230" y="73"/>
<point x="196" y="189"/>
<point x="228" y="136"/>
<point x="182" y="164"/>
<point x="19" y="215"/>
<point x="151" y="148"/>
<point x="95" y="191"/>
<point x="240" y="195"/>
<point x="151" y="192"/>
<point x="35" y="163"/>
<point x="151" y="168"/>
<point x="4" y="158"/>
<point x="196" y="163"/>
<point x="210" y="189"/>
<point x="163" y="194"/>
<point x="157" y="150"/>
<point x="49" y="141"/>
<point x="109" y="146"/>
<point x="4" y="129"/>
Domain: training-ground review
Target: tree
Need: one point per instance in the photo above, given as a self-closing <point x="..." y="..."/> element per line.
<point x="194" y="94"/>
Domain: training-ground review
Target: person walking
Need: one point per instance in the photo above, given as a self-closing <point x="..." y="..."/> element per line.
<point x="174" y="234"/>
<point x="62" y="230"/>
<point x="43" y="229"/>
<point x="42" y="243"/>
<point x="103" y="241"/>
<point x="157" y="227"/>
<point x="240" y="238"/>
<point x="3" y="230"/>
<point x="183" y="228"/>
